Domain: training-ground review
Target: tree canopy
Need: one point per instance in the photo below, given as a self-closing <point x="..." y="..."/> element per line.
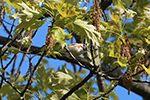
<point x="116" y="33"/>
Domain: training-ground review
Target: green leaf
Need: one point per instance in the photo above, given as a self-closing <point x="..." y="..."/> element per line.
<point x="1" y="70"/>
<point x="111" y="54"/>
<point x="146" y="12"/>
<point x="13" y="50"/>
<point x="13" y="3"/>
<point x="68" y="36"/>
<point x="119" y="3"/>
<point x="62" y="77"/>
<point x="20" y="79"/>
<point x="123" y="62"/>
<point x="127" y="2"/>
<point x="115" y="18"/>
<point x="130" y="14"/>
<point x="59" y="35"/>
<point x="59" y="93"/>
<point x="39" y="1"/>
<point x="112" y="51"/>
<point x="88" y="31"/>
<point x="105" y="98"/>
<point x="5" y="57"/>
<point x="44" y="61"/>
<point x="73" y="2"/>
<point x="8" y="92"/>
<point x="28" y="18"/>
<point x="65" y="12"/>
<point x="113" y="95"/>
<point x="146" y="69"/>
<point x="147" y="41"/>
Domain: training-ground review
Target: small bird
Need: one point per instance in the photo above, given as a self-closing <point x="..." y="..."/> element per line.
<point x="77" y="49"/>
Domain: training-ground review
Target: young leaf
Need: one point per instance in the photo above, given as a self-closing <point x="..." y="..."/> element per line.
<point x="5" y="57"/>
<point x="147" y="41"/>
<point x="65" y="12"/>
<point x="146" y="69"/>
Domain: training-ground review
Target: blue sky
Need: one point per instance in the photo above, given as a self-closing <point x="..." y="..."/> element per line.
<point x="39" y="40"/>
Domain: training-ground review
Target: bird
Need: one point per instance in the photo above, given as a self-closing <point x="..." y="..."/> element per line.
<point x="77" y="49"/>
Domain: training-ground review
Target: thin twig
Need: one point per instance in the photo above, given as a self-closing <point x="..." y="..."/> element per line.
<point x="10" y="41"/>
<point x="23" y="92"/>
<point x="78" y="85"/>
<point x="76" y="59"/>
<point x="2" y="53"/>
<point x="106" y="92"/>
<point x="138" y="73"/>
<point x="93" y="60"/>
<point x="104" y="16"/>
<point x="6" y="29"/>
<point x="2" y="72"/>
<point x="9" y="62"/>
<point x="141" y="81"/>
<point x="107" y="76"/>
<point x="11" y="29"/>
<point x="133" y="1"/>
<point x="8" y="22"/>
<point x="111" y="70"/>
<point x="11" y="84"/>
<point x="21" y="63"/>
<point x="34" y="33"/>
<point x="13" y="67"/>
<point x="5" y="45"/>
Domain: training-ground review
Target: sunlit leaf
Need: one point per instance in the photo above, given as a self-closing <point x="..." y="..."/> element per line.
<point x="59" y="35"/>
<point x="59" y="93"/>
<point x="86" y="30"/>
<point x="13" y="3"/>
<point x="147" y="41"/>
<point x="28" y="18"/>
<point x="65" y="12"/>
<point x="115" y="18"/>
<point x="73" y="2"/>
<point x="130" y="13"/>
<point x="118" y="3"/>
<point x="122" y="63"/>
<point x="146" y="69"/>
<point x="147" y="12"/>
<point x="39" y="1"/>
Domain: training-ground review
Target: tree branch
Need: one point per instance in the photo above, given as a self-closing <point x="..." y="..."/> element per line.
<point x="103" y="95"/>
<point x="78" y="85"/>
<point x="11" y="84"/>
<point x="76" y="59"/>
<point x="2" y="72"/>
<point x="23" y="92"/>
<point x="105" y="3"/>
<point x="9" y="62"/>
<point x="138" y="87"/>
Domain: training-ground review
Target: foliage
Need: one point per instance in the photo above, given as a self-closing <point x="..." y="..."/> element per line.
<point x="123" y="41"/>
